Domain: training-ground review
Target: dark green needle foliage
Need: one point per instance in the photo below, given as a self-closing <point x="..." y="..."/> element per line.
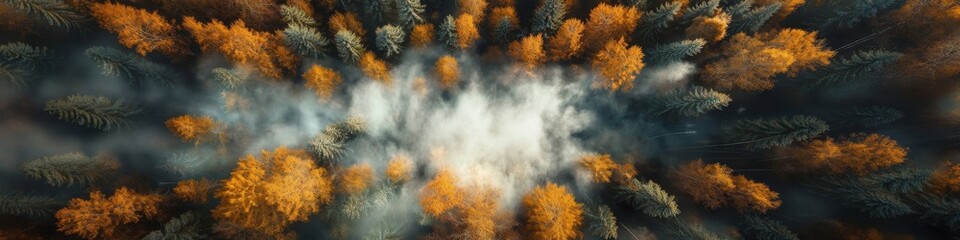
<point x="184" y="227"/>
<point x="409" y="13"/>
<point x="876" y="202"/>
<point x="649" y="198"/>
<point x="69" y="169"/>
<point x="296" y="16"/>
<point x="857" y="66"/>
<point x="655" y="21"/>
<point x="705" y="8"/>
<point x="602" y="222"/>
<point x="330" y="144"/>
<point x="869" y="116"/>
<point x="20" y="62"/>
<point x="692" y="102"/>
<point x="57" y="13"/>
<point x="673" y="52"/>
<point x="349" y="46"/>
<point x="305" y="41"/>
<point x="230" y="78"/>
<point x="762" y="228"/>
<point x="740" y="8"/>
<point x="129" y="67"/>
<point x="91" y="111"/>
<point x="751" y="21"/>
<point x="447" y="33"/>
<point x="939" y="211"/>
<point x="378" y="10"/>
<point x="505" y="31"/>
<point x="767" y="133"/>
<point x="681" y="229"/>
<point x="860" y="10"/>
<point x="900" y="180"/>
<point x="549" y="16"/>
<point x="25" y="205"/>
<point x="185" y="164"/>
<point x="390" y="40"/>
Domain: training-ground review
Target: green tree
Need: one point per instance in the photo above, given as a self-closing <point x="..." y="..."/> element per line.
<point x="505" y="31"/>
<point x="447" y="33"/>
<point x="869" y="199"/>
<point x="762" y="228"/>
<point x="656" y="20"/>
<point x="871" y="116"/>
<point x="390" y="40"/>
<point x="20" y="62"/>
<point x="602" y="222"/>
<point x="767" y="133"/>
<point x="293" y="16"/>
<point x="25" y="205"/>
<point x="549" y="16"/>
<point x="130" y="67"/>
<point x="329" y="145"/>
<point x="70" y="168"/>
<point x="692" y="102"/>
<point x="705" y="8"/>
<point x="305" y="41"/>
<point x="940" y="211"/>
<point x="751" y="21"/>
<point x="184" y="227"/>
<point x="409" y="13"/>
<point x="900" y="180"/>
<point x="233" y="78"/>
<point x="91" y="111"/>
<point x="349" y="46"/>
<point x="57" y="13"/>
<point x="673" y="52"/>
<point x="649" y="198"/>
<point x="849" y="13"/>
<point x="860" y="64"/>
<point x="379" y="9"/>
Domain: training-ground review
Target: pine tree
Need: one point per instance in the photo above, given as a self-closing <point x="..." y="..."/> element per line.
<point x="656" y="20"/>
<point x="294" y="16"/>
<point x="230" y="78"/>
<point x="57" y="13"/>
<point x="872" y="116"/>
<point x="20" y="62"/>
<point x="70" y="168"/>
<point x="649" y="198"/>
<point x="549" y="16"/>
<point x="130" y="67"/>
<point x="330" y="144"/>
<point x="378" y="9"/>
<point x="740" y="8"/>
<point x="860" y="64"/>
<point x="184" y="227"/>
<point x="409" y="12"/>
<point x="305" y="41"/>
<point x="767" y="133"/>
<point x="25" y="205"/>
<point x="91" y="111"/>
<point x="752" y="20"/>
<point x="940" y="211"/>
<point x="390" y="40"/>
<point x="447" y="33"/>
<point x="349" y="46"/>
<point x="692" y="102"/>
<point x="505" y="31"/>
<point x="848" y="16"/>
<point x="900" y="180"/>
<point x="185" y="163"/>
<point x="875" y="202"/>
<point x="674" y="52"/>
<point x="705" y="9"/>
<point x="603" y="223"/>
<point x="762" y="228"/>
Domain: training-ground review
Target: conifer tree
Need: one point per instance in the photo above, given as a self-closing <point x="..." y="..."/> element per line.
<point x="447" y="34"/>
<point x="848" y="16"/>
<point x="20" y="62"/>
<point x="939" y="211"/>
<point x="603" y="223"/>
<point x="379" y="10"/>
<point x="57" y="13"/>
<point x="293" y="16"/>
<point x="900" y="180"/>
<point x="692" y="102"/>
<point x="409" y="12"/>
<point x="91" y="111"/>
<point x="349" y="47"/>
<point x="70" y="168"/>
<point x="649" y="198"/>
<point x="673" y="52"/>
<point x="505" y="31"/>
<point x="305" y="41"/>
<point x="26" y="205"/>
<point x="875" y="202"/>
<point x="549" y="16"/>
<point x="763" y="228"/>
<point x="130" y="67"/>
<point x="871" y="116"/>
<point x="686" y="230"/>
<point x="752" y="20"/>
<point x="184" y="227"/>
<point x="704" y="9"/>
<point x="656" y="20"/>
<point x="857" y="66"/>
<point x="390" y="40"/>
<point x="767" y="133"/>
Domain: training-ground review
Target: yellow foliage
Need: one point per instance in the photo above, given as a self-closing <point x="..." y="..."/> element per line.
<point x="323" y="81"/>
<point x="140" y="29"/>
<point x="946" y="179"/>
<point x="552" y="213"/>
<point x="448" y="72"/>
<point x="421" y="35"/>
<point x="609" y="23"/>
<point x="191" y="128"/>
<point x="750" y="65"/>
<point x="467" y="32"/>
<point x="98" y="217"/>
<point x="374" y="68"/>
<point x="707" y="184"/>
<point x="480" y="212"/>
<point x="441" y="194"/>
<point x="566" y="43"/>
<point x="859" y="154"/>
<point x="712" y="29"/>
<point x="618" y="64"/>
<point x="601" y="166"/>
<point x="477" y="8"/>
<point x="528" y="51"/>
<point x="750" y="195"/>
<point x="192" y="190"/>
<point x="355" y="179"/>
<point x="807" y="51"/>
<point x="303" y="5"/>
<point x="244" y="46"/>
<point x="399" y="169"/>
<point x="497" y="14"/>
<point x="346" y="21"/>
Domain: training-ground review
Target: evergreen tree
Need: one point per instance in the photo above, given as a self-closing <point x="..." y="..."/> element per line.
<point x="872" y="116"/>
<point x="447" y="33"/>
<point x="705" y="8"/>
<point x="230" y="78"/>
<point x="349" y="46"/>
<point x="378" y="9"/>
<point x="185" y="164"/>
<point x="70" y="168"/>
<point x="184" y="227"/>
<point x="549" y="16"/>
<point x="860" y="64"/>
<point x="767" y="133"/>
<point x="409" y="12"/>
<point x="740" y="8"/>
<point x="130" y="67"/>
<point x="24" y="205"/>
<point x="848" y="16"/>
<point x="649" y="198"/>
<point x="305" y="41"/>
<point x="900" y="180"/>
<point x="874" y="201"/>
<point x="296" y="16"/>
<point x="505" y="31"/>
<point x="762" y="228"/>
<point x="692" y="102"/>
<point x="91" y="111"/>
<point x="940" y="211"/>
<point x="656" y="20"/>
<point x="331" y="143"/>
<point x="603" y="223"/>
<point x="55" y="12"/>
<point x="390" y="40"/>
<point x="751" y="21"/>
<point x="20" y="62"/>
<point x="674" y="52"/>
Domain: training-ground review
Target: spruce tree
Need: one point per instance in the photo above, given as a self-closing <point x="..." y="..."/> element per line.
<point x="305" y="41"/>
<point x="130" y="67"/>
<point x="762" y="228"/>
<point x="870" y="199"/>
<point x="681" y="229"/>
<point x="549" y="16"/>
<point x="505" y="31"/>
<point x="872" y="116"/>
<point x="184" y="227"/>
<point x="857" y="66"/>
<point x="656" y="20"/>
<point x="25" y="205"/>
<point x="447" y="33"/>
<point x="692" y="102"/>
<point x="296" y="16"/>
<point x="649" y="198"/>
<point x="20" y="62"/>
<point x="705" y="8"/>
<point x="349" y="47"/>
<point x="602" y="222"/>
<point x="768" y="133"/>
<point x="848" y="16"/>
<point x="91" y="111"/>
<point x="409" y="13"/>
<point x="379" y="10"/>
<point x="673" y="52"/>
<point x="751" y="21"/>
<point x="939" y="211"/>
<point x="390" y="40"/>
<point x="70" y="168"/>
<point x="57" y="13"/>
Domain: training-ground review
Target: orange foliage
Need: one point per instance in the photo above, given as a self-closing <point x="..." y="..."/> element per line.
<point x="707" y="184"/>
<point x="928" y="21"/>
<point x="244" y="46"/>
<point x="624" y="173"/>
<point x="940" y="60"/>
<point x="750" y="195"/>
<point x="497" y="14"/>
<point x="481" y="214"/>
<point x="448" y="71"/>
<point x="137" y="28"/>
<point x="601" y="166"/>
<point x="618" y="64"/>
<point x="807" y="51"/>
<point x="399" y="169"/>
<point x="192" y="190"/>
<point x="475" y="8"/>
<point x="786" y="8"/>
<point x="99" y="216"/>
<point x="609" y="23"/>
<point x="859" y="154"/>
<point x="553" y="213"/>
<point x="711" y="29"/>
<point x="191" y="128"/>
<point x="323" y="81"/>
<point x="303" y="5"/>
<point x="355" y="179"/>
<point x="374" y="68"/>
<point x="467" y="32"/>
<point x="946" y="179"/>
<point x="441" y="194"/>
<point x="346" y="21"/>
<point x="750" y="65"/>
<point x="566" y="43"/>
<point x="421" y="35"/>
<point x="528" y="51"/>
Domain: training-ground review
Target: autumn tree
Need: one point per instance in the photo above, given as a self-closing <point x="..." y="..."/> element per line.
<point x="323" y="81"/>
<point x="191" y="128"/>
<point x="707" y="184"/>
<point x="601" y="166"/>
<point x="938" y="60"/>
<point x="243" y="46"/>
<point x="552" y="213"/>
<point x="609" y="23"/>
<point x="346" y="21"/>
<point x="140" y="29"/>
<point x="926" y="21"/>
<point x="528" y="51"/>
<point x="355" y="179"/>
<point x="567" y="42"/>
<point x="467" y="32"/>
<point x="750" y="195"/>
<point x="807" y="51"/>
<point x="374" y="68"/>
<point x="859" y="154"/>
<point x="617" y="64"/>
<point x="946" y="179"/>
<point x="712" y="29"/>
<point x="193" y="190"/>
<point x="752" y="62"/>
<point x="481" y="213"/>
<point x="475" y="8"/>
<point x="499" y="14"/>
<point x="399" y="169"/>
<point x="448" y="71"/>
<point x="441" y="194"/>
<point x="421" y="35"/>
<point x="99" y="216"/>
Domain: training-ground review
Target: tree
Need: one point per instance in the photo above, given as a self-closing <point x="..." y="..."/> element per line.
<point x="649" y="198"/>
<point x="871" y="116"/>
<point x="91" y="111"/>
<point x="808" y="52"/>
<point x="608" y="23"/>
<point x="552" y="213"/>
<point x="447" y="34"/>
<point x="528" y="51"/>
<point x="689" y="230"/>
<point x="763" y="228"/>
<point x="294" y="16"/>
<point x="482" y="215"/>
<point x="940" y="211"/>
<point x="932" y="62"/>
<point x="656" y="20"/>
<point x="54" y="12"/>
<point x="713" y="29"/>
<point x="195" y="129"/>
<point x="706" y="184"/>
<point x="379" y="9"/>
<point x="27" y="205"/>
<point x="349" y="47"/>
<point x="674" y="52"/>
<point x="875" y="202"/>
<point x="409" y="13"/>
<point x="140" y="29"/>
<point x="475" y="8"/>
<point x="390" y="40"/>
<point x="860" y="64"/>
<point x="567" y="42"/>
<point x="129" y="67"/>
<point x="467" y="32"/>
<point x="346" y="21"/>
<point x="752" y="20"/>
<point x="399" y="169"/>
<point x="305" y="41"/>
<point x="750" y="195"/>
<point x="355" y="179"/>
<point x="602" y="222"/>
<point x="946" y="179"/>
<point x="548" y="16"/>
<point x="704" y="9"/>
<point x="448" y="72"/>
<point x="185" y="227"/>
<point x="767" y="133"/>
<point x="859" y="154"/>
<point x="192" y="190"/>
<point x="421" y="35"/>
<point x="323" y="81"/>
<point x="692" y="102"/>
<point x="329" y="145"/>
<point x="601" y="166"/>
<point x="857" y="11"/>
<point x="374" y="68"/>
<point x="99" y="216"/>
<point x="19" y="62"/>
<point x="900" y="180"/>
<point x="750" y="66"/>
<point x="441" y="194"/>
<point x="231" y="78"/>
<point x="618" y="64"/>
<point x="244" y="46"/>
<point x="70" y="168"/>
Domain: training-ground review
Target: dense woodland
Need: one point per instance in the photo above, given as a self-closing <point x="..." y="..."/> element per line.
<point x="666" y="119"/>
